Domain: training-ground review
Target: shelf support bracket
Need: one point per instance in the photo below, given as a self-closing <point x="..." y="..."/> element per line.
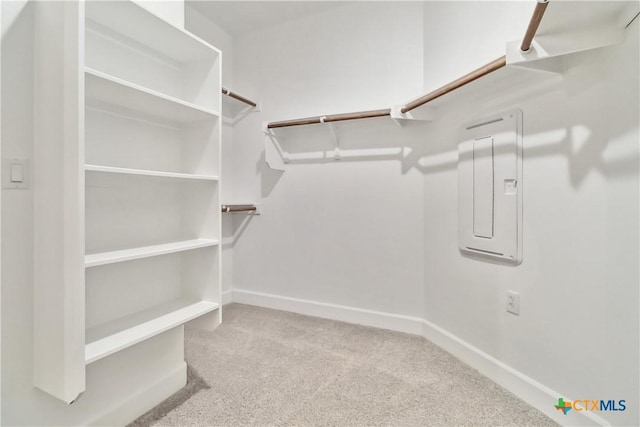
<point x="419" y="116"/>
<point x="274" y="155"/>
<point x="334" y="136"/>
<point x="548" y="51"/>
<point x="242" y="114"/>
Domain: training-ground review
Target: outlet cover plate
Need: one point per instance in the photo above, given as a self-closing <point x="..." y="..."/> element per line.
<point x="513" y="303"/>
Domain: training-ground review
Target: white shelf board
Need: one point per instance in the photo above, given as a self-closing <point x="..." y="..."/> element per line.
<point x="561" y="17"/>
<point x="130" y="20"/>
<point x="511" y="80"/>
<point x="145" y="172"/>
<point x="104" y="340"/>
<point x="102" y="258"/>
<point x="106" y="89"/>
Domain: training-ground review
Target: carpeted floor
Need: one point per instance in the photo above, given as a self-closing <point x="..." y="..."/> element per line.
<point x="267" y="367"/>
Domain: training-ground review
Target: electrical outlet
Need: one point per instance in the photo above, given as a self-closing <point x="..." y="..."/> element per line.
<point x="513" y="303"/>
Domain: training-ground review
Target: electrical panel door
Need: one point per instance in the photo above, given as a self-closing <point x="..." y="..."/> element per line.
<point x="490" y="188"/>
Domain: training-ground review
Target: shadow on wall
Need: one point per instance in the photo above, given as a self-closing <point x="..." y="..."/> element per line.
<point x="432" y="147"/>
<point x="195" y="384"/>
<point x="270" y="177"/>
<point x="367" y="140"/>
<point x="583" y="148"/>
<point x="239" y="223"/>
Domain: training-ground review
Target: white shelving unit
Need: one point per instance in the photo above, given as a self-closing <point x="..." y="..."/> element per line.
<point x="144" y="172"/>
<point x="103" y="89"/>
<point x="107" y="339"/>
<point x="103" y="258"/>
<point x="145" y="186"/>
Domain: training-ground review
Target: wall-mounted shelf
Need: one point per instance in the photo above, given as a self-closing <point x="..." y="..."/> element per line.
<point x="563" y="33"/>
<point x="103" y="258"/>
<point x="143" y="172"/>
<point x="104" y="89"/>
<point x="107" y="339"/>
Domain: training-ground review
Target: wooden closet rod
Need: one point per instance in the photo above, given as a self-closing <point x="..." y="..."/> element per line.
<point x="238" y="208"/>
<point x="450" y="87"/>
<point x="536" y="18"/>
<point x="331" y="118"/>
<point x="492" y="66"/>
<point x="240" y="98"/>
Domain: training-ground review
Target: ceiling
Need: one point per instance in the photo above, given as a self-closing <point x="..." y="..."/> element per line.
<point x="238" y="17"/>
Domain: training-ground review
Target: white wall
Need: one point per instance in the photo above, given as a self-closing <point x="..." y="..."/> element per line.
<point x="170" y="10"/>
<point x="577" y="332"/>
<point x="343" y="232"/>
<point x="460" y="36"/>
<point x="210" y="32"/>
<point x="359" y="232"/>
<point x="0" y="222"/>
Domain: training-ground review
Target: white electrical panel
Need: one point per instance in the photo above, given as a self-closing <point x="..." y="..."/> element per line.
<point x="490" y="188"/>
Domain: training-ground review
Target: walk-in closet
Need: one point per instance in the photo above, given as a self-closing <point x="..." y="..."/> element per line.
<point x="315" y="213"/>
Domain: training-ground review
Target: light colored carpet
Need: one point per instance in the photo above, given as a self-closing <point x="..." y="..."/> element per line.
<point x="268" y="367"/>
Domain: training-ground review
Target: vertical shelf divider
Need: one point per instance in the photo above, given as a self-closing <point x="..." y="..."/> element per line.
<point x="59" y="315"/>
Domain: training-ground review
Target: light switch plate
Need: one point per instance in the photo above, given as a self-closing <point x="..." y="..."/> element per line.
<point x="16" y="169"/>
<point x="490" y="188"/>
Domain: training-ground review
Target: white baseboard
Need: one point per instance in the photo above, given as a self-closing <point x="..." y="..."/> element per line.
<point x="531" y="391"/>
<point x="143" y="400"/>
<point x="534" y="393"/>
<point x="227" y="297"/>
<point x="378" y="319"/>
